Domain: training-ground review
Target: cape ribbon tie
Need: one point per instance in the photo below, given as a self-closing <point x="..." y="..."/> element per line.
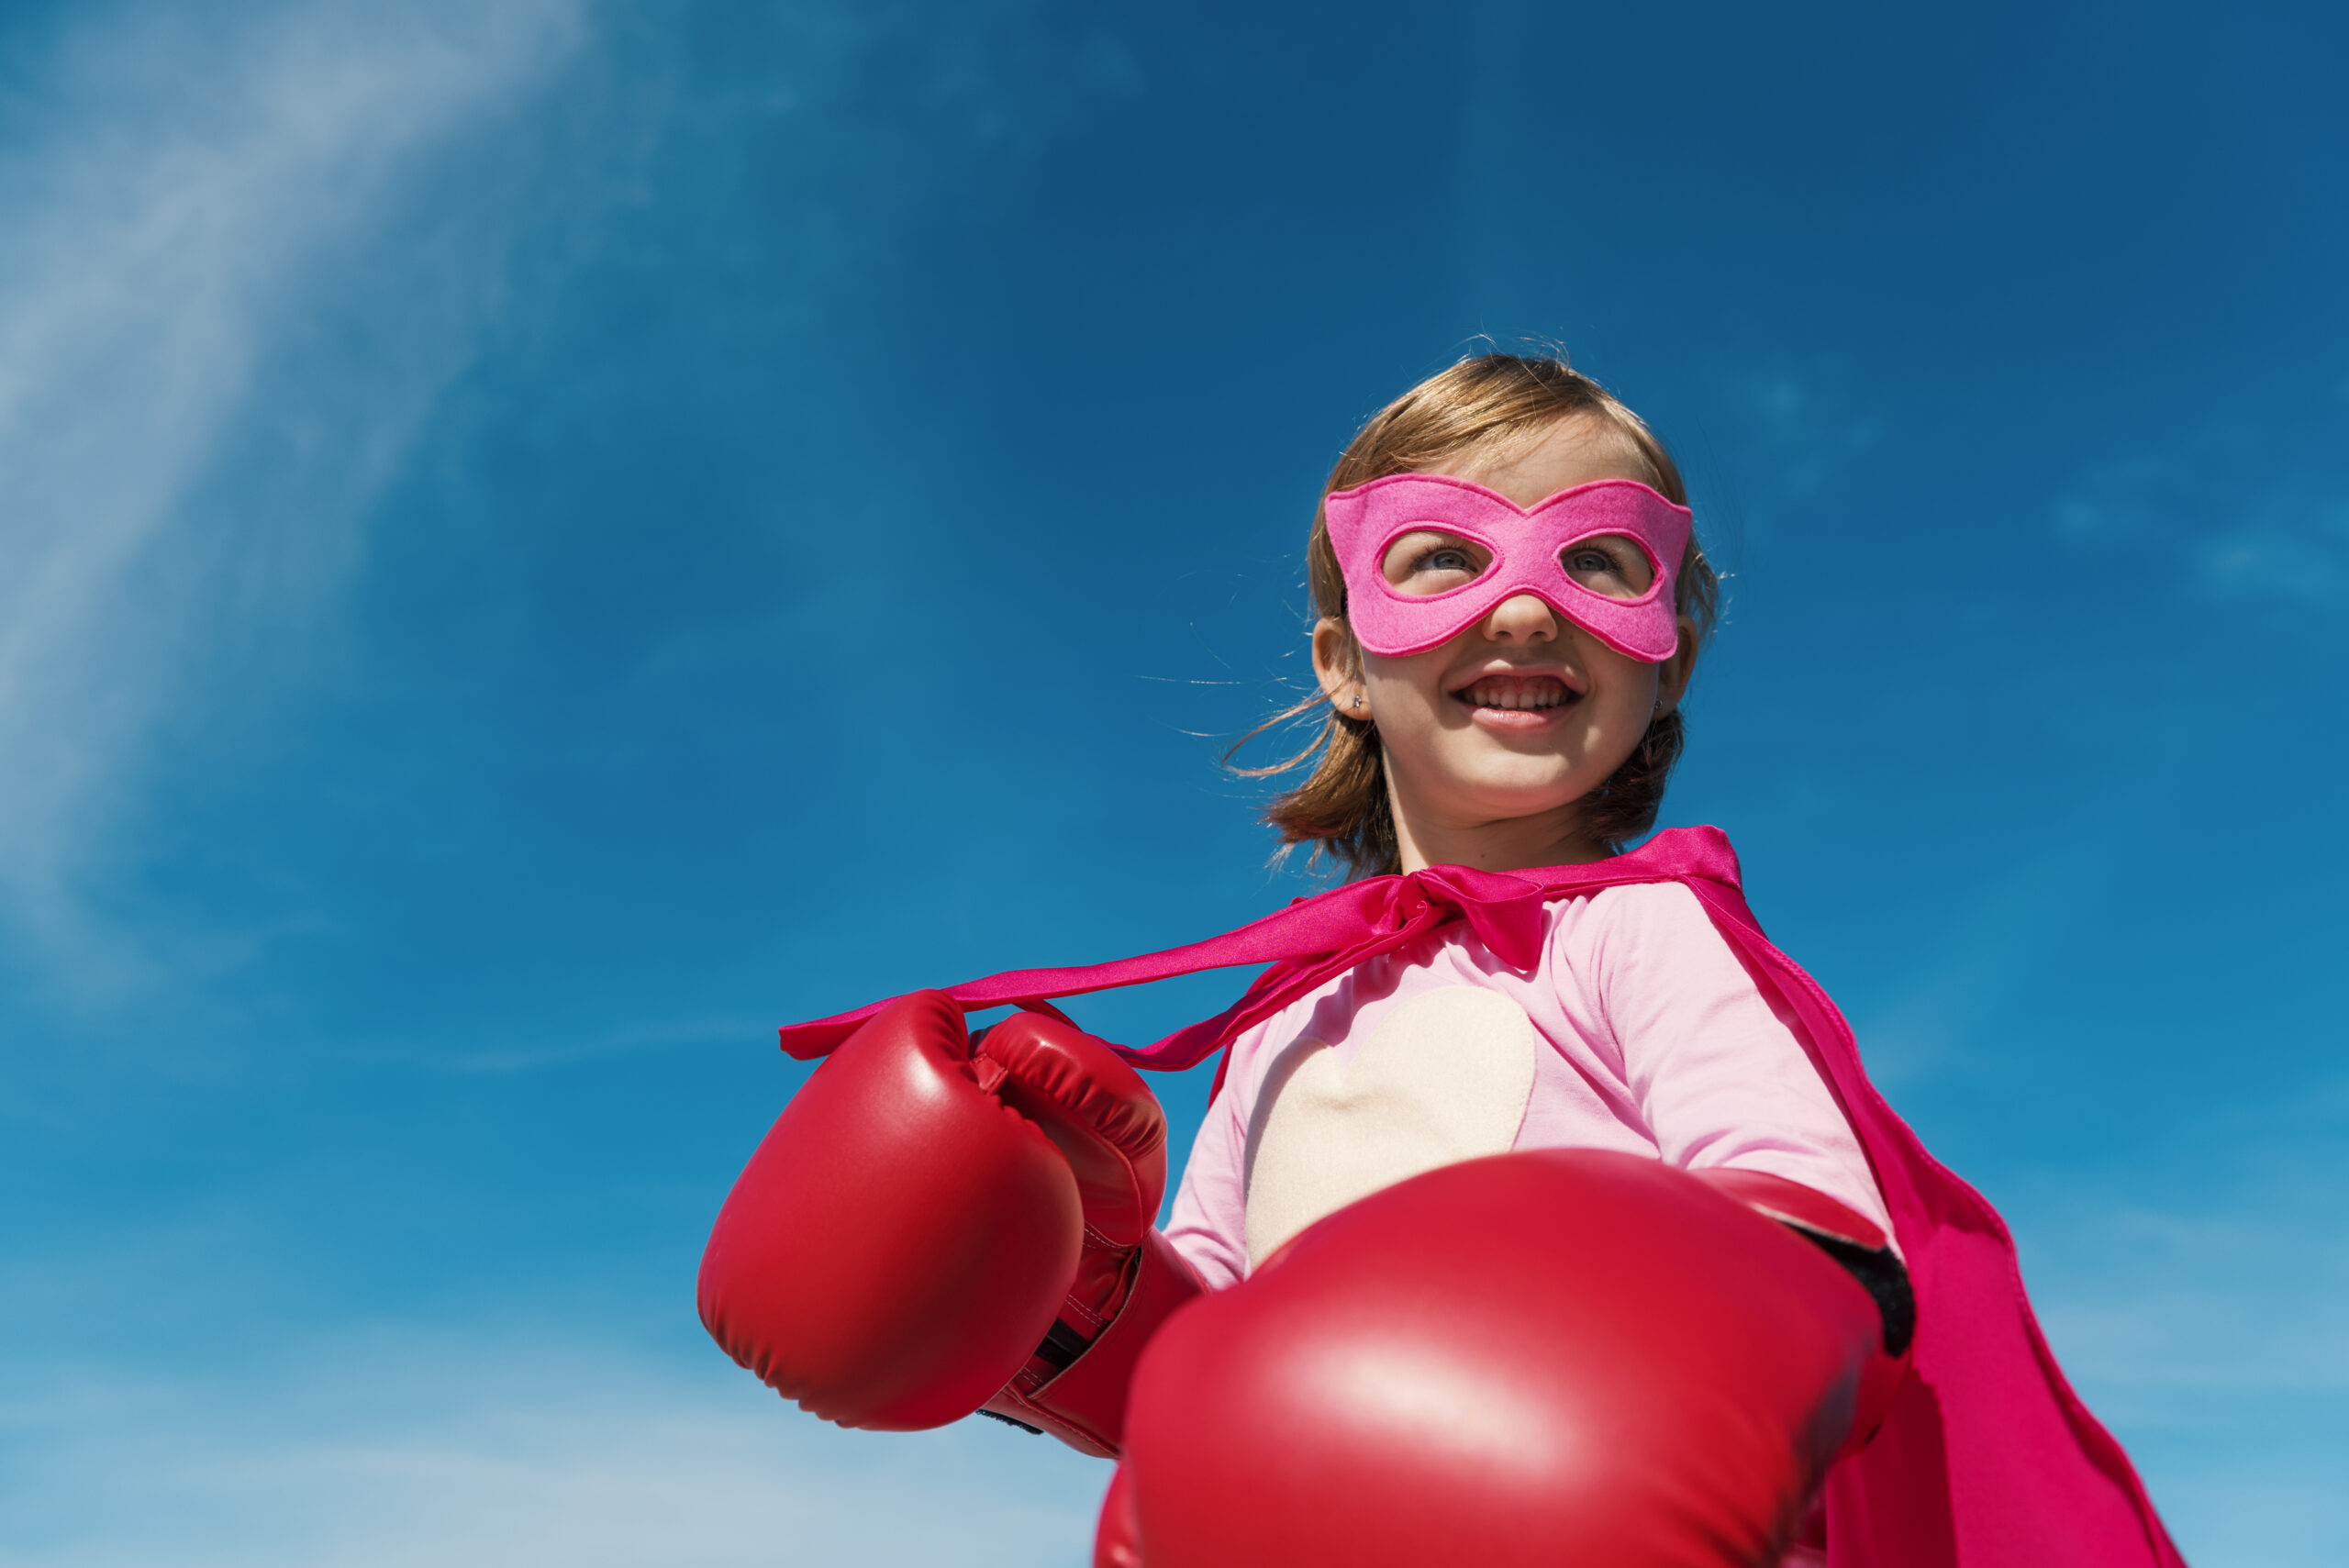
<point x="1311" y="940"/>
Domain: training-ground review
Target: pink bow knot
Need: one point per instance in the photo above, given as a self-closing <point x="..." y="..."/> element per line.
<point x="1504" y="911"/>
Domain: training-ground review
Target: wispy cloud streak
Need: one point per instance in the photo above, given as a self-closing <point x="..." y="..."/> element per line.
<point x="397" y="1450"/>
<point x="179" y="187"/>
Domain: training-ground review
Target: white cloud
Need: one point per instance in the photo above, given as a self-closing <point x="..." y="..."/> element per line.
<point x="2199" y="1319"/>
<point x="2156" y="1308"/>
<point x="185" y="185"/>
<point x="1804" y="430"/>
<point x="2242" y="511"/>
<point x="395" y="1449"/>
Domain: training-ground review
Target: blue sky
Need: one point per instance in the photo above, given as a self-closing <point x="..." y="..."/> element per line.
<point x="540" y="542"/>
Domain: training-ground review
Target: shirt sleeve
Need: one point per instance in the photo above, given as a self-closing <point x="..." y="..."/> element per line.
<point x="1719" y="1075"/>
<point x="1209" y="1222"/>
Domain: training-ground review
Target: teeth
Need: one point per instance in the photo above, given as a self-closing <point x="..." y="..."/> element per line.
<point x="1517" y="695"/>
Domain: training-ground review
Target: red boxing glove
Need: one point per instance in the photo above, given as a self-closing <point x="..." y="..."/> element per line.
<point x="1108" y="1126"/>
<point x="1553" y="1356"/>
<point x="927" y="1220"/>
<point x="901" y="1239"/>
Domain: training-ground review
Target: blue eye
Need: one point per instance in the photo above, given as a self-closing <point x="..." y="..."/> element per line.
<point x="1428" y="562"/>
<point x="1613" y="566"/>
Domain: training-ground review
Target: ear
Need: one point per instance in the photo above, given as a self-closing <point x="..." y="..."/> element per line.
<point x="1672" y="675"/>
<point x="1337" y="665"/>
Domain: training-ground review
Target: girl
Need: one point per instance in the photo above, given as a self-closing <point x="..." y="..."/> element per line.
<point x="1469" y="1155"/>
<point x="1525" y="739"/>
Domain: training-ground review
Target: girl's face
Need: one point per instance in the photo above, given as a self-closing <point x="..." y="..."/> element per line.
<point x="1492" y="737"/>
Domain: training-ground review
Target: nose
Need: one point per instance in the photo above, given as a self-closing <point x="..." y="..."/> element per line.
<point x="1522" y="617"/>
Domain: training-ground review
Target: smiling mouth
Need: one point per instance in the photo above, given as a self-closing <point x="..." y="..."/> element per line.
<point x="1518" y="694"/>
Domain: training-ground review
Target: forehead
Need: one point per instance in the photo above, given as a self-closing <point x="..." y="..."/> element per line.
<point x="1575" y="450"/>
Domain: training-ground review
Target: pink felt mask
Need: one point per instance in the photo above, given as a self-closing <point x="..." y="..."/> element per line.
<point x="1528" y="551"/>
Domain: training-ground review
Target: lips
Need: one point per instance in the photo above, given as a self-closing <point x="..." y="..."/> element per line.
<point x="1518" y="694"/>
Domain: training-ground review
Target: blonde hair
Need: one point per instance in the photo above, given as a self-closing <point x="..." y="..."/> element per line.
<point x="1484" y="404"/>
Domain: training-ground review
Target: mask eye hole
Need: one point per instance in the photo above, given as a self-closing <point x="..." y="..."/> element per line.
<point x="1611" y="564"/>
<point x="1426" y="561"/>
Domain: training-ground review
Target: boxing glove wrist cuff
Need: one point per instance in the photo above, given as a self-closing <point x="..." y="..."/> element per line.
<point x="1085" y="1405"/>
<point x="1857" y="1245"/>
<point x="1862" y="1250"/>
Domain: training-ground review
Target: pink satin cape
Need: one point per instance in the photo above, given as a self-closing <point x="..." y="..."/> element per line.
<point x="1987" y="1460"/>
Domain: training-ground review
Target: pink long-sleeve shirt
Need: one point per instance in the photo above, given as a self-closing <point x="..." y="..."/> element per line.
<point x="1640" y="1031"/>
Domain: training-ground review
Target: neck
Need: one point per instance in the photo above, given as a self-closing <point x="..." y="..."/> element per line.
<point x="1507" y="843"/>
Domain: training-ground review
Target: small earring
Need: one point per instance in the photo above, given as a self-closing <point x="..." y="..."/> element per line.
<point x="1357" y="699"/>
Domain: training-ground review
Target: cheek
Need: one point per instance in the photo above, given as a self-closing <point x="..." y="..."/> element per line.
<point x="1623" y="696"/>
<point x="1641" y="686"/>
<point x="1390" y="680"/>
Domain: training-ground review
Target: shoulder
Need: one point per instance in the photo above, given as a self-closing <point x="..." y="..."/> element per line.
<point x="1635" y="911"/>
<point x="1635" y="937"/>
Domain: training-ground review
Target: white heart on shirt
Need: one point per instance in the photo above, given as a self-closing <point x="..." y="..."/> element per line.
<point x="1445" y="1077"/>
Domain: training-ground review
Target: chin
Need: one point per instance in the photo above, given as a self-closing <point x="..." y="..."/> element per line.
<point x="1506" y="797"/>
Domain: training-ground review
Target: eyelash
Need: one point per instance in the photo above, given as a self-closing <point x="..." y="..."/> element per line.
<point x="1605" y="561"/>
